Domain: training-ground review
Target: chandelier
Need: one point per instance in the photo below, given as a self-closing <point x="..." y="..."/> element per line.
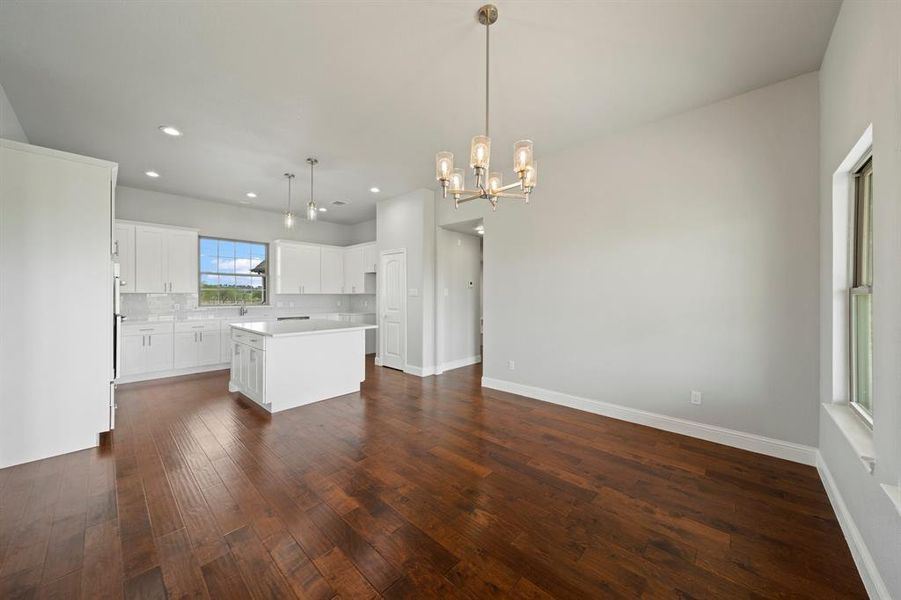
<point x="489" y="185"/>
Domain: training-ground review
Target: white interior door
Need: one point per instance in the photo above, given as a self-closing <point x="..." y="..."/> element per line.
<point x="393" y="306"/>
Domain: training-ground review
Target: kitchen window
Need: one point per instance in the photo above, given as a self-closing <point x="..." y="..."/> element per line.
<point x="232" y="272"/>
<point x="861" y="294"/>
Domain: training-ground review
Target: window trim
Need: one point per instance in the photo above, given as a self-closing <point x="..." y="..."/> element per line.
<point x="200" y="271"/>
<point x="859" y="285"/>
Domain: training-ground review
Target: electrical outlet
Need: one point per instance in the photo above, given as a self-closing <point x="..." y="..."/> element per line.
<point x="696" y="397"/>
<point x="511" y="364"/>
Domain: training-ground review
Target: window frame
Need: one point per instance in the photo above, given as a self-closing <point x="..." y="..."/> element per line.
<point x="861" y="257"/>
<point x="201" y="272"/>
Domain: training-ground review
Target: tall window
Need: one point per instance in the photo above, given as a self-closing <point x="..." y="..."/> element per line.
<point x="232" y="272"/>
<point x="862" y="294"/>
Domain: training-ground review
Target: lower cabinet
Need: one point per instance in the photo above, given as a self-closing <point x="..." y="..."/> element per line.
<point x="248" y="371"/>
<point x="146" y="350"/>
<point x="196" y="344"/>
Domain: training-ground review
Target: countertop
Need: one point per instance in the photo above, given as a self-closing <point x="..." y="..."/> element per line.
<point x="288" y="328"/>
<point x="234" y="318"/>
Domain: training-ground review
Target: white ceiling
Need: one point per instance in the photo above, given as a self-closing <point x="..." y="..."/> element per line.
<point x="373" y="89"/>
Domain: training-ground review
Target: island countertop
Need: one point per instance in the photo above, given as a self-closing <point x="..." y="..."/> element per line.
<point x="307" y="327"/>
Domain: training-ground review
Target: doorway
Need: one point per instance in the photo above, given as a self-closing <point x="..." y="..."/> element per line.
<point x="459" y="295"/>
<point x="393" y="308"/>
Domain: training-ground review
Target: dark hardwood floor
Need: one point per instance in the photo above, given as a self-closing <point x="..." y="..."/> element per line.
<point x="413" y="488"/>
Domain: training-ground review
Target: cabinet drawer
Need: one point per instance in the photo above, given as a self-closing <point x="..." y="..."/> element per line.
<point x="182" y="326"/>
<point x="146" y="328"/>
<point x="254" y="340"/>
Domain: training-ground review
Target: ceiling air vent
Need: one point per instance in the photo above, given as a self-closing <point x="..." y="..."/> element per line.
<point x="340" y="202"/>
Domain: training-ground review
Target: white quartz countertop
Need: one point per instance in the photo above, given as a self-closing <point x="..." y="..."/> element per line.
<point x="306" y="327"/>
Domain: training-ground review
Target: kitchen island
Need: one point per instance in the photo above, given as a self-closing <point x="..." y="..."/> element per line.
<point x="285" y="364"/>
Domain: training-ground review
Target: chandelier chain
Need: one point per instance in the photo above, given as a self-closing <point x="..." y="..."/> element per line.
<point x="487" y="71"/>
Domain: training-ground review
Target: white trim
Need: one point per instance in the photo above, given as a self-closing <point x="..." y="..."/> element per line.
<point x="419" y="371"/>
<point x="172" y="373"/>
<point x="456" y="364"/>
<point x="721" y="435"/>
<point x="87" y="160"/>
<point x="872" y="581"/>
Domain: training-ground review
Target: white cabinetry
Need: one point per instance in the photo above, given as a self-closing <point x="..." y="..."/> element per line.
<point x="196" y="344"/>
<point x="353" y="270"/>
<point x="124" y="246"/>
<point x="332" y="271"/>
<point x="146" y="348"/>
<point x="248" y="367"/>
<point x="165" y="260"/>
<point x="298" y="268"/>
<point x="370" y="258"/>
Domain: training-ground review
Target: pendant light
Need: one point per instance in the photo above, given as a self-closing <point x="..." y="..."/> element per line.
<point x="289" y="216"/>
<point x="489" y="185"/>
<point x="312" y="211"/>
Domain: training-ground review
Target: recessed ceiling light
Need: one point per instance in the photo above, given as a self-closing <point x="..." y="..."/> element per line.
<point x="251" y="194"/>
<point x="170" y="130"/>
<point x="153" y="174"/>
<point x="374" y="190"/>
<point x="322" y="209"/>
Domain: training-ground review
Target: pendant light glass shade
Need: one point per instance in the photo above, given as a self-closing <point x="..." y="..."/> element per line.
<point x="444" y="165"/>
<point x="480" y="153"/>
<point x="289" y="216"/>
<point x="312" y="212"/>
<point x="289" y="220"/>
<point x="458" y="181"/>
<point x="522" y="156"/>
<point x="495" y="181"/>
<point x="530" y="177"/>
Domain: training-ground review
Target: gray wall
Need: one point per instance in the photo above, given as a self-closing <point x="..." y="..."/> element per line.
<point x="679" y="256"/>
<point x="458" y="310"/>
<point x="228" y="220"/>
<point x="10" y="128"/>
<point x="860" y="84"/>
<point x="408" y="221"/>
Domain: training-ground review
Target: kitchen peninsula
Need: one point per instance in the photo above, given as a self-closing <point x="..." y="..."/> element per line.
<point x="285" y="364"/>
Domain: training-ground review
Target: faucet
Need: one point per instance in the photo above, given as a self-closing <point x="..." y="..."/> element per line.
<point x="243" y="310"/>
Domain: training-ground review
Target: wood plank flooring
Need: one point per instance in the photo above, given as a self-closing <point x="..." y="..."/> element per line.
<point x="413" y="488"/>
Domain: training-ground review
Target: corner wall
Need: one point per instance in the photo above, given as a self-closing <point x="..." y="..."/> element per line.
<point x="860" y="84"/>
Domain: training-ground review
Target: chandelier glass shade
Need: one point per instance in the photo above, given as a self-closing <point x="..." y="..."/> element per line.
<point x="488" y="185"/>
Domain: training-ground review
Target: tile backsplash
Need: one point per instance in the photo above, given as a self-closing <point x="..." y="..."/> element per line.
<point x="142" y="306"/>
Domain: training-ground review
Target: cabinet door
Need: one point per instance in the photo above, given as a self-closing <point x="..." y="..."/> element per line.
<point x="182" y="261"/>
<point x="236" y="363"/>
<point x="158" y="352"/>
<point x="332" y="270"/>
<point x="133" y="354"/>
<point x="208" y="348"/>
<point x="150" y="260"/>
<point x="310" y="270"/>
<point x="125" y="256"/>
<point x="288" y="265"/>
<point x="185" y="349"/>
<point x="370" y="258"/>
<point x="353" y="271"/>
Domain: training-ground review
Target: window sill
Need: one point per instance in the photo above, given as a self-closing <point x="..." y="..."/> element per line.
<point x="855" y="431"/>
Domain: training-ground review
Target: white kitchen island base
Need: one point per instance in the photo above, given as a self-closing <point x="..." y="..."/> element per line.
<point x="286" y="364"/>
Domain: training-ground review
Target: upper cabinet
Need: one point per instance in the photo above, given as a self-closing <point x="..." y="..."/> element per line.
<point x="297" y="268"/>
<point x="370" y="258"/>
<point x="353" y="270"/>
<point x="124" y="254"/>
<point x="332" y="264"/>
<point x="155" y="259"/>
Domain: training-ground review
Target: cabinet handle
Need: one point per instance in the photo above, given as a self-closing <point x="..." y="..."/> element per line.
<point x="201" y="336"/>
<point x="143" y="340"/>
<point x="116" y="248"/>
<point x="151" y="329"/>
<point x="195" y="337"/>
<point x="149" y="340"/>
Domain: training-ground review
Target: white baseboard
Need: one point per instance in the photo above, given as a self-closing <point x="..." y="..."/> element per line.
<point x="872" y="581"/>
<point x="456" y="364"/>
<point x="173" y="373"/>
<point x="730" y="437"/>
<point x="419" y="371"/>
